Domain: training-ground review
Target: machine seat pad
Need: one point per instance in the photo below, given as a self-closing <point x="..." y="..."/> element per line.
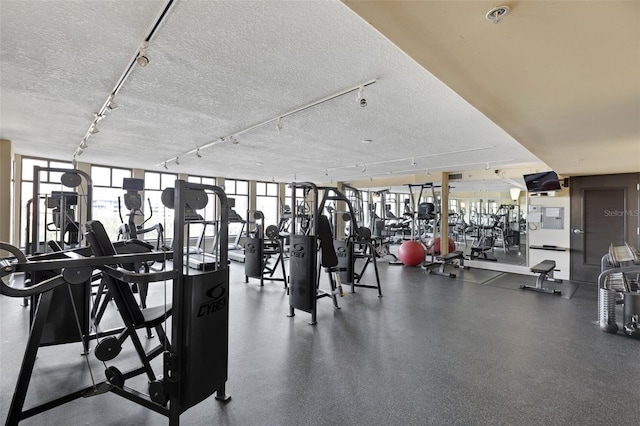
<point x="156" y="315"/>
<point x="544" y="267"/>
<point x="450" y="256"/>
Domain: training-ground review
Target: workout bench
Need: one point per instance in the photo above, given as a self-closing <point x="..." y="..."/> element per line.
<point x="545" y="271"/>
<point x="447" y="259"/>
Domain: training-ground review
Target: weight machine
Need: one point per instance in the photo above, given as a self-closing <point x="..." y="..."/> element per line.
<point x="618" y="284"/>
<point x="354" y="195"/>
<point x="194" y="361"/>
<point x="380" y="234"/>
<point x="70" y="205"/>
<point x="259" y="250"/>
<point x="427" y="217"/>
<point x="357" y="245"/>
<point x="425" y="214"/>
<point x="310" y="231"/>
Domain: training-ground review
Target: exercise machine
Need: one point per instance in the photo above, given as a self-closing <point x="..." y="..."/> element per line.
<point x="132" y="230"/>
<point x="236" y="250"/>
<point x="484" y="240"/>
<point x="618" y="284"/>
<point x="424" y="226"/>
<point x="310" y="233"/>
<point x="133" y="203"/>
<point x="354" y="195"/>
<point x="70" y="206"/>
<point x="194" y="362"/>
<point x="380" y="235"/>
<point x="261" y="245"/>
<point x="356" y="245"/>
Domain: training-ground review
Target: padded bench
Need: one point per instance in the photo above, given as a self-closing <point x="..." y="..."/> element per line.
<point x="447" y="259"/>
<point x="544" y="270"/>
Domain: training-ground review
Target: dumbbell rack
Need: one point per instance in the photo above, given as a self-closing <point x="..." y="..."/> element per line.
<point x="616" y="280"/>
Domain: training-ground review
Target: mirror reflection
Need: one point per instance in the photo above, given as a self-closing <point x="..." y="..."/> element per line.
<point x="486" y="226"/>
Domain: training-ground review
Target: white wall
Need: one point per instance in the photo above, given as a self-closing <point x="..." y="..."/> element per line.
<point x="538" y="236"/>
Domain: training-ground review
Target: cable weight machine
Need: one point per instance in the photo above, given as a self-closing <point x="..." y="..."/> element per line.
<point x="356" y="236"/>
<point x="310" y="232"/>
<point x="194" y="362"/>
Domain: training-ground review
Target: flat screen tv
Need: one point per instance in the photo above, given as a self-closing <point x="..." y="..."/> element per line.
<point x="542" y="182"/>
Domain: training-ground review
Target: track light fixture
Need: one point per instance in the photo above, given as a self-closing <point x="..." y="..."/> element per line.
<point x="198" y="153"/>
<point x="94" y="130"/>
<point x="83" y="144"/>
<point x="143" y="59"/>
<point x="165" y="166"/>
<point x="177" y="161"/>
<point x="360" y="99"/>
<point x="413" y="162"/>
<point x="112" y="105"/>
<point x="140" y="58"/>
<point x="364" y="168"/>
<point x="279" y="118"/>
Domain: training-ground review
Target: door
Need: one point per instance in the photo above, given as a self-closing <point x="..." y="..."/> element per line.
<point x="604" y="210"/>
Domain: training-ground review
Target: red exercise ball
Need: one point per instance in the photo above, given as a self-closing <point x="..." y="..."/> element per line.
<point x="411" y="253"/>
<point x="435" y="245"/>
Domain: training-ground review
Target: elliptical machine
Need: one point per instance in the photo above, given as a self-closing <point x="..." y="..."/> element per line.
<point x="130" y="231"/>
<point x="133" y="202"/>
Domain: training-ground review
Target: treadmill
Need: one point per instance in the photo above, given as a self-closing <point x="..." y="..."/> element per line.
<point x="236" y="251"/>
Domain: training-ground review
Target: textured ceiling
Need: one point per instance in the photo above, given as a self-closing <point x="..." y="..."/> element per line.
<point x="219" y="67"/>
<point x="563" y="78"/>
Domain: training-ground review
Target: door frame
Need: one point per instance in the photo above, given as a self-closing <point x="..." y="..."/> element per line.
<point x="630" y="182"/>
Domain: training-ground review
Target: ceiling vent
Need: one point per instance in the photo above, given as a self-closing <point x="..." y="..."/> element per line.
<point x="456" y="176"/>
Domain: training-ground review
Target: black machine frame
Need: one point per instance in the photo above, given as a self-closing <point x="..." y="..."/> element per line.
<point x="310" y="232"/>
<point x="259" y="250"/>
<point x="33" y="243"/>
<point x="346" y="248"/>
<point x="61" y="324"/>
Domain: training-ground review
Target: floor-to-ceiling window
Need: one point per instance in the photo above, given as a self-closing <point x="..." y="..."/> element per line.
<point x="267" y="201"/>
<point x="108" y="205"/>
<point x="154" y="184"/>
<point x="238" y="190"/>
<point x="49" y="182"/>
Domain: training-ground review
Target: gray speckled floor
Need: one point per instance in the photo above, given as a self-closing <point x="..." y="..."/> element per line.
<point x="433" y="350"/>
